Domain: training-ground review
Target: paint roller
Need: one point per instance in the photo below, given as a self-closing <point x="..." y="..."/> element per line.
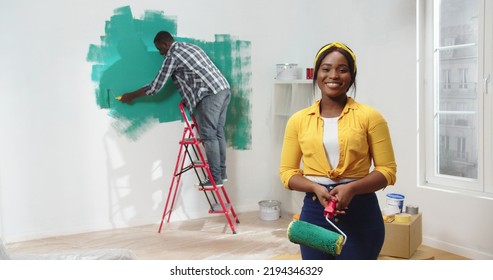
<point x="109" y="93"/>
<point x="317" y="237"/>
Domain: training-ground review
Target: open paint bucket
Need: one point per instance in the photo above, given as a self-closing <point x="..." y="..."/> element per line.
<point x="270" y="210"/>
<point x="395" y="199"/>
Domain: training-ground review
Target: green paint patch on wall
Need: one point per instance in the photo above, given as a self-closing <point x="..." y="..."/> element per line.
<point x="126" y="60"/>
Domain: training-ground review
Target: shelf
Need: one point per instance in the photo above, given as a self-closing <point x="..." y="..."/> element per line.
<point x="288" y="97"/>
<point x="291" y="95"/>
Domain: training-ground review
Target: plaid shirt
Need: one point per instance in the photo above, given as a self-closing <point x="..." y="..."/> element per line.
<point x="193" y="73"/>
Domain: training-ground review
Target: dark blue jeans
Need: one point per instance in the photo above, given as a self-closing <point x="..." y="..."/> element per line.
<point x="362" y="223"/>
<point x="210" y="114"/>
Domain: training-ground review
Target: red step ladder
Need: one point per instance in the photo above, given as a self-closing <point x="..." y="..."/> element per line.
<point x="191" y="149"/>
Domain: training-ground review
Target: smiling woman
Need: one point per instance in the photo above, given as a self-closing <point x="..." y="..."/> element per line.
<point x="339" y="140"/>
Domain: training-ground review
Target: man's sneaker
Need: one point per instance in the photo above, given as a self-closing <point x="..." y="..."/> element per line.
<point x="225" y="178"/>
<point x="207" y="183"/>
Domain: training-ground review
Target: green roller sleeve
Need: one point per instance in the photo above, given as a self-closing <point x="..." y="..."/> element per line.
<point x="303" y="233"/>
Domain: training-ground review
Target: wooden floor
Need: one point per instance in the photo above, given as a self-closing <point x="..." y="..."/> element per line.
<point x="208" y="238"/>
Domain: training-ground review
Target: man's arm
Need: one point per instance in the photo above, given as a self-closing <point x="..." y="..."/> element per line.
<point x="129" y="97"/>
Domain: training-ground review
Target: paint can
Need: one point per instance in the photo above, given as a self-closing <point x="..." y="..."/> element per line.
<point x="395" y="199"/>
<point x="412" y="209"/>
<point x="270" y="210"/>
<point x="309" y="73"/>
<point x="287" y="71"/>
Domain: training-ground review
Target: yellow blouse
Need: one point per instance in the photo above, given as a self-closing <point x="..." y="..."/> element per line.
<point x="363" y="136"/>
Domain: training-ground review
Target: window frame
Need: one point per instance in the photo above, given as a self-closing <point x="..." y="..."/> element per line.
<point x="427" y="86"/>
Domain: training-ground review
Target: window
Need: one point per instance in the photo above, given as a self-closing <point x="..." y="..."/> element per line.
<point x="446" y="79"/>
<point x="455" y="53"/>
<point x="461" y="149"/>
<point x="463" y="78"/>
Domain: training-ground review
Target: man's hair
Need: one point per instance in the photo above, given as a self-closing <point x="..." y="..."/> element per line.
<point x="163" y="36"/>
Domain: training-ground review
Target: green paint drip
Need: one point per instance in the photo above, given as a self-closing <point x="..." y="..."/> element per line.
<point x="127" y="60"/>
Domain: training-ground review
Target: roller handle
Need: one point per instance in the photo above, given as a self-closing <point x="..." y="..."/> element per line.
<point x="329" y="212"/>
<point x="330" y="209"/>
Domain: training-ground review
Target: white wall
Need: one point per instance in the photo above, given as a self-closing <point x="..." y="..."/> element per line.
<point x="64" y="169"/>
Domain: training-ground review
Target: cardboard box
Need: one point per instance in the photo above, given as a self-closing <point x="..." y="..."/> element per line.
<point x="418" y="255"/>
<point x="402" y="239"/>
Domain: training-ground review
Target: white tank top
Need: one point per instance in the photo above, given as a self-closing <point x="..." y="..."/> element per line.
<point x="331" y="141"/>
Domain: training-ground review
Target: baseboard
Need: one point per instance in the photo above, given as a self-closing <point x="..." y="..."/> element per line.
<point x="455" y="249"/>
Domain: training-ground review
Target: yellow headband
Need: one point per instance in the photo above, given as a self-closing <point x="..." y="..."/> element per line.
<point x="338" y="45"/>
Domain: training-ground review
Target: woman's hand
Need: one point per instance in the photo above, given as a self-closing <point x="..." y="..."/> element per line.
<point x="323" y="195"/>
<point x="344" y="195"/>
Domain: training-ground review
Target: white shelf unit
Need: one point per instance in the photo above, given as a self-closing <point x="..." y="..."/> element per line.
<point x="288" y="97"/>
<point x="291" y="95"/>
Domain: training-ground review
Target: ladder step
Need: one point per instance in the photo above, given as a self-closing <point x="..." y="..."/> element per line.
<point x="199" y="163"/>
<point x="188" y="141"/>
<point x="206" y="189"/>
<point x="216" y="208"/>
<point x="195" y="164"/>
